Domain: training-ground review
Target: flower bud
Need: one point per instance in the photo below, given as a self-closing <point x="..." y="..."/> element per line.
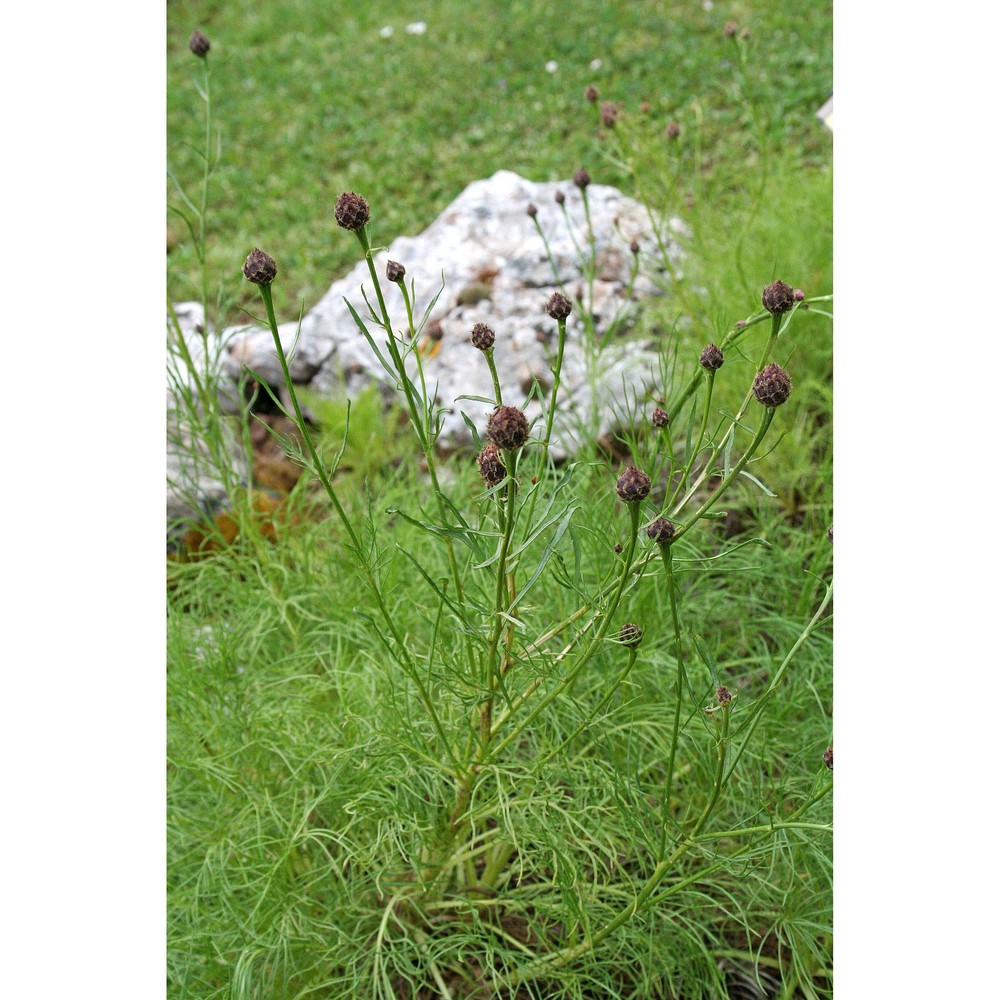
<point x="199" y="45"/>
<point x="711" y="358"/>
<point x="723" y="695"/>
<point x="394" y="271"/>
<point x="609" y="114"/>
<point x="633" y="485"/>
<point x="661" y="531"/>
<point x="558" y="306"/>
<point x="507" y="428"/>
<point x="630" y="635"/>
<point x="560" y="197"/>
<point x="591" y="94"/>
<point x="483" y="337"/>
<point x="660" y="418"/>
<point x="581" y="179"/>
<point x="828" y="757"/>
<point x="772" y="386"/>
<point x="351" y="212"/>
<point x="777" y="298"/>
<point x="490" y="466"/>
<point x="673" y="130"/>
<point x="532" y="210"/>
<point x="259" y="268"/>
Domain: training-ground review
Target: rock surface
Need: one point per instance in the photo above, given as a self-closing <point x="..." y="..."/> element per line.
<point x="486" y="259"/>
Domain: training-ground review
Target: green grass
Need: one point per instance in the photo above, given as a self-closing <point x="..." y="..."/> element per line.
<point x="312" y="102"/>
<point x="299" y="794"/>
<point x="305" y="778"/>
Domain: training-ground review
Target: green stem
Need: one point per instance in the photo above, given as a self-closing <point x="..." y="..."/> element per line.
<point x="587" y="654"/>
<point x="556" y="374"/>
<point x="320" y="469"/>
<point x="666" y="551"/>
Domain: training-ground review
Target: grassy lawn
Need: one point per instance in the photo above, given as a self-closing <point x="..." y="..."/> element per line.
<point x="312" y="101"/>
<point x="339" y="825"/>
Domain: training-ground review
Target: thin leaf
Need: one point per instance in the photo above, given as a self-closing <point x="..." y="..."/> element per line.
<point x="754" y="479"/>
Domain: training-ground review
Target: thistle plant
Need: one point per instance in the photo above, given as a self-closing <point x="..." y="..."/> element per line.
<point x="495" y="678"/>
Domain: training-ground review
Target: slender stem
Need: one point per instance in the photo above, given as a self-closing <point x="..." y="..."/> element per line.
<point x="720" y="777"/>
<point x="556" y="374"/>
<point x="320" y="469"/>
<point x="666" y="551"/>
<point x="587" y="654"/>
<point x="416" y="418"/>
<point x="491" y="361"/>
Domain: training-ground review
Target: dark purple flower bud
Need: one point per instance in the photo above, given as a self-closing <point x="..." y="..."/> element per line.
<point x="777" y="298"/>
<point x="558" y="306"/>
<point x="507" y="428"/>
<point x="711" y="358"/>
<point x="199" y="45"/>
<point x="351" y="212"/>
<point x="490" y="466"/>
<point x="633" y="485"/>
<point x="260" y="268"/>
<point x="483" y="337"/>
<point x="772" y="386"/>
<point x="661" y="531"/>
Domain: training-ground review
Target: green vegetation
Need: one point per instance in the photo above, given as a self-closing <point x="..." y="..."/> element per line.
<point x="312" y="102"/>
<point x="380" y="789"/>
